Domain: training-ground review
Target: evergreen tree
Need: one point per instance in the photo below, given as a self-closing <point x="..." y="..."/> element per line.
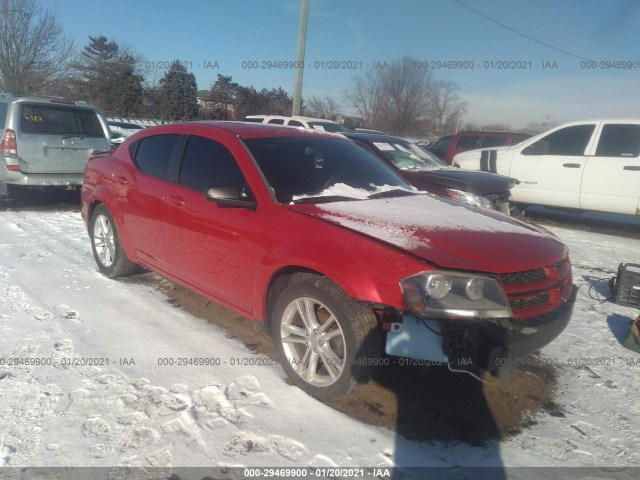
<point x="108" y="77"/>
<point x="223" y="95"/>
<point x="177" y="94"/>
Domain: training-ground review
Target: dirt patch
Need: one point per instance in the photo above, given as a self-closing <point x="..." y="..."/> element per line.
<point x="424" y="404"/>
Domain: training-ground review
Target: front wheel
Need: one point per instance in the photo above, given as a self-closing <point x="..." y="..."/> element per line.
<point x="106" y="246"/>
<point x="327" y="343"/>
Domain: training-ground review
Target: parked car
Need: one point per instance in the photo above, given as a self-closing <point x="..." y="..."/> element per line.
<point x="588" y="165"/>
<point x="126" y="129"/>
<point x="321" y="124"/>
<point x="46" y="142"/>
<point x="425" y="171"/>
<point x="120" y="131"/>
<point x="450" y="145"/>
<point x="335" y="253"/>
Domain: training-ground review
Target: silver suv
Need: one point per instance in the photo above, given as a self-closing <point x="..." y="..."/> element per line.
<point x="46" y="141"/>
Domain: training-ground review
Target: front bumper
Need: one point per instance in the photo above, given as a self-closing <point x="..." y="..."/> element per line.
<point x="478" y="346"/>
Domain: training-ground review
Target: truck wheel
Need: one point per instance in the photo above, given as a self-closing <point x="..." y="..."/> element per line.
<point x="106" y="246"/>
<point x="327" y="343"/>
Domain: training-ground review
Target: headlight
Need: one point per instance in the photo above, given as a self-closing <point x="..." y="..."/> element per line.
<point x="471" y="198"/>
<point x="443" y="294"/>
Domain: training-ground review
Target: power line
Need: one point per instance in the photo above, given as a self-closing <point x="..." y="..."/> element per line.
<point x="528" y="37"/>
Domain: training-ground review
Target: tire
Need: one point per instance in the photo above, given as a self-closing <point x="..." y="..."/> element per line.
<point x="327" y="343"/>
<point x="107" y="249"/>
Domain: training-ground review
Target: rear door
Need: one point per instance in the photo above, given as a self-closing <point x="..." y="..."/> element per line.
<point x="58" y="138"/>
<point x="141" y="191"/>
<point x="611" y="180"/>
<point x="550" y="170"/>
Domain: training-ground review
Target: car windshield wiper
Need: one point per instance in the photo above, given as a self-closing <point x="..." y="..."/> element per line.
<point x="324" y="199"/>
<point x="396" y="192"/>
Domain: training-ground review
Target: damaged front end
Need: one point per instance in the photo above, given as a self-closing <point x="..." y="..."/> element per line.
<point x="475" y="323"/>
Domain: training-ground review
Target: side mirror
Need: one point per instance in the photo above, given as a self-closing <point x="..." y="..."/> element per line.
<point x="230" y="196"/>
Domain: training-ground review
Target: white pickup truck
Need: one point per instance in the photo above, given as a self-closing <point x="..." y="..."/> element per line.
<point x="587" y="165"/>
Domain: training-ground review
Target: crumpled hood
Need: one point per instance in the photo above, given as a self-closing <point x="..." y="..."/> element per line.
<point x="446" y="233"/>
<point x="481" y="183"/>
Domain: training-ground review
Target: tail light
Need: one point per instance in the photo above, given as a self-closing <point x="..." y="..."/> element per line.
<point x="8" y="145"/>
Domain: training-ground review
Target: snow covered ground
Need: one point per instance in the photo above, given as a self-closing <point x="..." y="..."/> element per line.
<point x="128" y="409"/>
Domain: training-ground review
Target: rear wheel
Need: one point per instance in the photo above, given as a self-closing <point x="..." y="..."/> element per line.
<point x="107" y="249"/>
<point x="327" y="343"/>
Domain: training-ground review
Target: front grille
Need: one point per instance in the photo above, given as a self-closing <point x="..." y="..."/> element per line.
<point x="522" y="278"/>
<point x="529" y="302"/>
<point x="535" y="292"/>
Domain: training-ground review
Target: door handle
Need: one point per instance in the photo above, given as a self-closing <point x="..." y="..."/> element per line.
<point x="571" y="165"/>
<point x="177" y="201"/>
<point x="632" y="167"/>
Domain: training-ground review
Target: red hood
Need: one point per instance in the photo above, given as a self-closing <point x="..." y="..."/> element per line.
<point x="447" y="233"/>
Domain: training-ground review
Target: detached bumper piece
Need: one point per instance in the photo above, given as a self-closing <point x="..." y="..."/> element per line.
<point x="477" y="346"/>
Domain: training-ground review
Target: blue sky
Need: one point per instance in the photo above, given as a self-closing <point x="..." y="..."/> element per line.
<point x="230" y="32"/>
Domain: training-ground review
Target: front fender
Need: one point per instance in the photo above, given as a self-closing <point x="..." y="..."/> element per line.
<point x="365" y="269"/>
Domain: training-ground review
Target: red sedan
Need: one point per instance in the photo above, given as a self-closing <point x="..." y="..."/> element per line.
<point x="345" y="262"/>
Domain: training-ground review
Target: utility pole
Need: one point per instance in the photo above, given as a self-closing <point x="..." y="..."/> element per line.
<point x="302" y="41"/>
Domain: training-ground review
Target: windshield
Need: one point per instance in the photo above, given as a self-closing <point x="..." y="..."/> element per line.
<point x="327" y="169"/>
<point x="327" y="126"/>
<point x="408" y="156"/>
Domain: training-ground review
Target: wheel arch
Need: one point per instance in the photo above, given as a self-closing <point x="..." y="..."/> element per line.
<point x="280" y="280"/>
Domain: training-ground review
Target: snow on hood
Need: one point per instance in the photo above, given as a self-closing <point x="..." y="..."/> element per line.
<point x="448" y="233"/>
<point x="344" y="190"/>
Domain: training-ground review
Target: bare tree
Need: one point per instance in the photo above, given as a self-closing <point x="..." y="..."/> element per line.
<point x="402" y="99"/>
<point x="34" y="54"/>
<point x="447" y="107"/>
<point x="367" y="98"/>
<point x="325" y="107"/>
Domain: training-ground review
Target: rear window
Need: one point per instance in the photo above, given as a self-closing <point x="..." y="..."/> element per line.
<point x="58" y="120"/>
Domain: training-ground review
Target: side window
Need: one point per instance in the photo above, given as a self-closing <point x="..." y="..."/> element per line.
<point x="207" y="163"/>
<point x="154" y="154"/>
<point x="295" y="123"/>
<point x="276" y="121"/>
<point x="468" y="142"/>
<point x="488" y="142"/>
<point x="619" y="140"/>
<point x="569" y="141"/>
<point x="441" y="146"/>
<point x="3" y="115"/>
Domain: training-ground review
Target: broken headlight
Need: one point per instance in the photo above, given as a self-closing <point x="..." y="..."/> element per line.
<point x="443" y="294"/>
<point x="470" y="198"/>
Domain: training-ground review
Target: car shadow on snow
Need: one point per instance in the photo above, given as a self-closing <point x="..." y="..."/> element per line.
<point x="443" y="415"/>
<point x="47" y="199"/>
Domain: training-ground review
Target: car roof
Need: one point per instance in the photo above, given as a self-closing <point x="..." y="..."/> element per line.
<point x="9" y="98"/>
<point x="492" y="132"/>
<point x="292" y="117"/>
<point x="246" y="129"/>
